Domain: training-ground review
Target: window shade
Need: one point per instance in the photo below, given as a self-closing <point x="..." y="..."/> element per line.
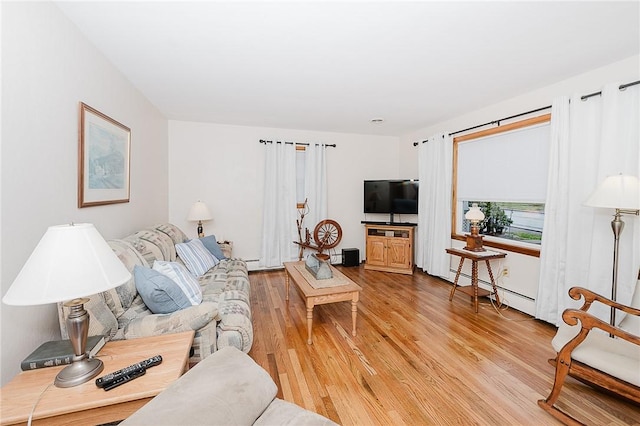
<point x="509" y="166"/>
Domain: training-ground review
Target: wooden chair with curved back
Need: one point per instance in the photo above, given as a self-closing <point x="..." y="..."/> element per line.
<point x="596" y="353"/>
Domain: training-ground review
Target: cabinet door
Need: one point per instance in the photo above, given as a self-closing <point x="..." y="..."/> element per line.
<point x="376" y="251"/>
<point x="398" y="253"/>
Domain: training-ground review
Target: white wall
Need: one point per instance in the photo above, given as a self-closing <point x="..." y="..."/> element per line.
<point x="222" y="165"/>
<point x="524" y="270"/>
<point x="48" y="67"/>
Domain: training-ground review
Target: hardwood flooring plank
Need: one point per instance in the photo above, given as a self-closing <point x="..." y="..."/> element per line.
<point x="417" y="358"/>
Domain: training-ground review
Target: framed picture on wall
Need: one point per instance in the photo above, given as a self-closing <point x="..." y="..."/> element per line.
<point x="104" y="159"/>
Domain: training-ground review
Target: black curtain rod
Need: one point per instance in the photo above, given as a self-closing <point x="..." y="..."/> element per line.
<point x="297" y="143"/>
<point x="621" y="87"/>
<point x="493" y="122"/>
<point x="501" y="119"/>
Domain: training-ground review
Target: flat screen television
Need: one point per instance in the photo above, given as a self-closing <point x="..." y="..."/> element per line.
<point x="391" y="196"/>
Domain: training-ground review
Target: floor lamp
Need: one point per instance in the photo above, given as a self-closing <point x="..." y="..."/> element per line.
<point x="622" y="193"/>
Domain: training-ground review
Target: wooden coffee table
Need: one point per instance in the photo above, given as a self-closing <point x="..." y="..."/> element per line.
<point x="88" y="404"/>
<point x="313" y="295"/>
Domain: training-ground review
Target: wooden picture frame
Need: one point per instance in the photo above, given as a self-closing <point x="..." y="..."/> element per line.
<point x="104" y="153"/>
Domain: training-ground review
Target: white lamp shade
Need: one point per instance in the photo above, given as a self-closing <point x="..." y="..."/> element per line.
<point x="474" y="213"/>
<point x="617" y="192"/>
<point x="70" y="261"/>
<point x="199" y="211"/>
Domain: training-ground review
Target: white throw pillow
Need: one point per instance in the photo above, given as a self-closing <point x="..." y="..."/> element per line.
<point x="196" y="256"/>
<point x="181" y="276"/>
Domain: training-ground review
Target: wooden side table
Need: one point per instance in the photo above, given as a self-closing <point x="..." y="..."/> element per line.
<point x="473" y="289"/>
<point x="88" y="404"/>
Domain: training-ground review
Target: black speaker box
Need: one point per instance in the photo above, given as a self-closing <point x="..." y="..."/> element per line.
<point x="350" y="257"/>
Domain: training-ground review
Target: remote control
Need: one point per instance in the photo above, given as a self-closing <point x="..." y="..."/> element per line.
<point x="105" y="380"/>
<point x="151" y="362"/>
<point x="124" y="378"/>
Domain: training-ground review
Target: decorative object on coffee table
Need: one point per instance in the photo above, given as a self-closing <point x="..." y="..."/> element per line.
<point x="69" y="263"/>
<point x="319" y="268"/>
<point x="474" y="240"/>
<point x="199" y="212"/>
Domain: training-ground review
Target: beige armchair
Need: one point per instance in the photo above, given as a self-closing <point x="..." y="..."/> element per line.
<point x="587" y="352"/>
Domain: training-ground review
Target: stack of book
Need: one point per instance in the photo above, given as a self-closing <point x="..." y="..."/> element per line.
<point x="58" y="352"/>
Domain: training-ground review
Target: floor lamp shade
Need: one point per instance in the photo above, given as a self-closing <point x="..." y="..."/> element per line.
<point x="617" y="192"/>
<point x="69" y="263"/>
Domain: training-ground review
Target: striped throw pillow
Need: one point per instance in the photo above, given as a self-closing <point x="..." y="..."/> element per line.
<point x="181" y="276"/>
<point x="196" y="257"/>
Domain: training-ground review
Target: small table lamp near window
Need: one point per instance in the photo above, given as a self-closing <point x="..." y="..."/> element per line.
<point x="474" y="240"/>
<point x="69" y="263"/>
<point x="199" y="211"/>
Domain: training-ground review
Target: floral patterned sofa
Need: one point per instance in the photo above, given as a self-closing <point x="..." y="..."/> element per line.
<point x="223" y="318"/>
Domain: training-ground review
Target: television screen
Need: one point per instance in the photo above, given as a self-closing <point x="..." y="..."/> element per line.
<point x="391" y="196"/>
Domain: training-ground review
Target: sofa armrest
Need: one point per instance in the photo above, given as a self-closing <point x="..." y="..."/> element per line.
<point x="192" y="318"/>
<point x="227" y="388"/>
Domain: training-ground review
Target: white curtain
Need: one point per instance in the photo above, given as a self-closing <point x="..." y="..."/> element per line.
<point x="279" y="210"/>
<point x="315" y="185"/>
<point x="435" y="168"/>
<point x="590" y="140"/>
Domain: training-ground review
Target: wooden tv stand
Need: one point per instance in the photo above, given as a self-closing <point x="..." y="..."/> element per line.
<point x="390" y="248"/>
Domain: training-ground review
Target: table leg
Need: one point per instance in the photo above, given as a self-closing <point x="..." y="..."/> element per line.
<point x="309" y="323"/>
<point x="286" y="285"/>
<point x="493" y="283"/>
<point x="474" y="283"/>
<point x="354" y="312"/>
<point x="455" y="282"/>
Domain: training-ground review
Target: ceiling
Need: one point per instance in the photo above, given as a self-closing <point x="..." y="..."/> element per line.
<point x="335" y="66"/>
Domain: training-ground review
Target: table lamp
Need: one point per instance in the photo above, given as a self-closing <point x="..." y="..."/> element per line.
<point x="199" y="211"/>
<point x="69" y="263"/>
<point x="474" y="240"/>
<point x="622" y="193"/>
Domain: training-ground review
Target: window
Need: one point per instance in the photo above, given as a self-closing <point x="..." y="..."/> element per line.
<point x="300" y="172"/>
<point x="504" y="170"/>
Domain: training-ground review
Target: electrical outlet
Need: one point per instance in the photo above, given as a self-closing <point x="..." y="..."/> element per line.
<point x="505" y="271"/>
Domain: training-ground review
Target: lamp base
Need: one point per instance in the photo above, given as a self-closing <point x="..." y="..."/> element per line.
<point x="474" y="243"/>
<point x="79" y="372"/>
<point x="82" y="368"/>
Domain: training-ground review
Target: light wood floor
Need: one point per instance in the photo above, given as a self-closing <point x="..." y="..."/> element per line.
<point x="417" y="358"/>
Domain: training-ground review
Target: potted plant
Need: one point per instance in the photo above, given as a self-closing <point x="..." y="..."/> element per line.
<point x="495" y="219"/>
